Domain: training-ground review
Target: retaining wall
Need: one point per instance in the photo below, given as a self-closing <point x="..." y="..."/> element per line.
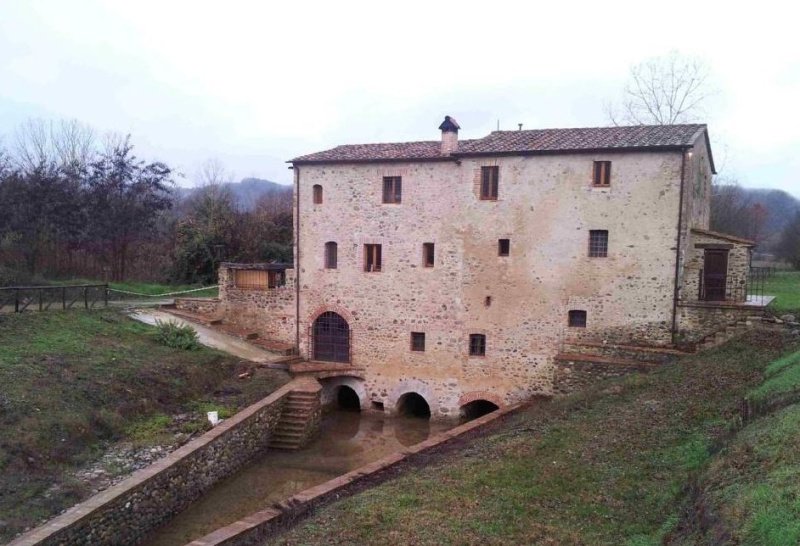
<point x="201" y="306"/>
<point x="126" y="512"/>
<point x="577" y="375"/>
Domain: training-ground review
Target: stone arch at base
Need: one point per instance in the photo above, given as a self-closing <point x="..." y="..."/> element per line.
<point x="330" y="388"/>
<point x="472" y="396"/>
<point x="413" y="386"/>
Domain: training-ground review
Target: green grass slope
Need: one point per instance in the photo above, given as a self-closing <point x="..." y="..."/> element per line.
<point x="609" y="466"/>
<point x="73" y="381"/>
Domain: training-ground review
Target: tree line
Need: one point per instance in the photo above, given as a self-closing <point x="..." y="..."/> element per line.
<point x="75" y="205"/>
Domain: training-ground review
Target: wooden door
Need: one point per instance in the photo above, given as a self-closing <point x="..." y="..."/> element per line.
<point x="715" y="274"/>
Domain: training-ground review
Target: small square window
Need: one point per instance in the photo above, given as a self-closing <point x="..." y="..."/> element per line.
<point x="417" y="341"/>
<point x="428" y="256"/>
<point x="577" y="318"/>
<point x="392" y="189"/>
<point x="372" y="258"/>
<point x="598" y="243"/>
<point x="490" y="178"/>
<point x="503" y="247"/>
<point x="477" y="345"/>
<point x="602" y="174"/>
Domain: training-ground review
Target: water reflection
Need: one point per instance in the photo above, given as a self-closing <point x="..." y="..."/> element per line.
<point x="347" y="440"/>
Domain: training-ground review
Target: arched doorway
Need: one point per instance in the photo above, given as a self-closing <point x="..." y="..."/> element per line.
<point x="331" y="338"/>
<point x="477" y="408"/>
<point x="347" y="399"/>
<point x="412" y="404"/>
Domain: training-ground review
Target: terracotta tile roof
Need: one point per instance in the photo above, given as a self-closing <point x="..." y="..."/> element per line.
<point x="724" y="236"/>
<point x="518" y="142"/>
<point x="426" y="149"/>
<point x="590" y="138"/>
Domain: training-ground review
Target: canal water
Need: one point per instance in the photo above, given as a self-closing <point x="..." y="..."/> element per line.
<point x="347" y="440"/>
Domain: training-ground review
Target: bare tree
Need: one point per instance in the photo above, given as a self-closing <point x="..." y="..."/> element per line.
<point x="663" y="91"/>
<point x="66" y="144"/>
<point x="73" y="143"/>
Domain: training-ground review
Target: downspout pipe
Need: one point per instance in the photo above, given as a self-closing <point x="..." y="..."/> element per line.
<point x="678" y="249"/>
<point x="297" y="258"/>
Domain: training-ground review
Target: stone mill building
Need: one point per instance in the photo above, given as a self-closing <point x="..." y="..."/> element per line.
<point x="444" y="273"/>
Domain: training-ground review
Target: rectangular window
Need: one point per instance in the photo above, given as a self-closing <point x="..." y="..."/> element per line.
<point x="372" y="258"/>
<point x="602" y="173"/>
<point x="331" y="258"/>
<point x="392" y="189"/>
<point x="477" y="345"/>
<point x="427" y="254"/>
<point x="317" y="194"/>
<point x="577" y="318"/>
<point x="489" y="181"/>
<point x="417" y="341"/>
<point x="598" y="243"/>
<point x="503" y="247"/>
<point x="276" y="279"/>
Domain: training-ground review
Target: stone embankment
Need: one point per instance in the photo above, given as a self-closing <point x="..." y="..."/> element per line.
<point x="127" y="511"/>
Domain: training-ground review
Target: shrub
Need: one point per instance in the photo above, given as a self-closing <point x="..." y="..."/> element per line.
<point x="176" y="336"/>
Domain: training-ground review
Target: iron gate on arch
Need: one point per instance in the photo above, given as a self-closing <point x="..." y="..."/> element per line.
<point x="331" y="338"/>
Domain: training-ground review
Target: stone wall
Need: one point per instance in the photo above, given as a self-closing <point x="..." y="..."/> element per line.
<point x="696" y="320"/>
<point x="577" y="375"/>
<point x="202" y="306"/>
<point x="546" y="207"/>
<point x="268" y="311"/>
<point x="126" y="512"/>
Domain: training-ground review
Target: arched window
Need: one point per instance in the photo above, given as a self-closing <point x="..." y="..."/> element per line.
<point x="330" y="255"/>
<point x="317" y="194"/>
<point x="331" y="338"/>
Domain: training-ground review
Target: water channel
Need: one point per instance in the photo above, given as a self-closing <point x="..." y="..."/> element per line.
<point x="347" y="440"/>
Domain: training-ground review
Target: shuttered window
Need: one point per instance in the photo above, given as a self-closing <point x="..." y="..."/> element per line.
<point x="490" y="178"/>
<point x="602" y="173"/>
<point x="372" y="258"/>
<point x="392" y="189"/>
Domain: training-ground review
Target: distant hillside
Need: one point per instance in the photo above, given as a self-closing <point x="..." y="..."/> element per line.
<point x="248" y="191"/>
<point x="781" y="206"/>
<point x="753" y="213"/>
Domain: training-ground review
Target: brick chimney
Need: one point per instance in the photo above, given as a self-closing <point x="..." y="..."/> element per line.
<point x="449" y="129"/>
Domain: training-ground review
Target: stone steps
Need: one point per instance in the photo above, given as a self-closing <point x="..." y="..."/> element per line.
<point x="301" y="409"/>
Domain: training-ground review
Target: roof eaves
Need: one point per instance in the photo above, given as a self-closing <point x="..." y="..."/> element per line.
<point x="370" y="160"/>
<point x="724" y="236"/>
<point x="607" y="150"/>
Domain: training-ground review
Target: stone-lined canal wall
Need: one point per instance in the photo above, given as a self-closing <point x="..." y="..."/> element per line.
<point x="261" y="526"/>
<point x="126" y="512"/>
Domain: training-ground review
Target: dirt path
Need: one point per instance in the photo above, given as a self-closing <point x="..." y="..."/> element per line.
<point x="210" y="337"/>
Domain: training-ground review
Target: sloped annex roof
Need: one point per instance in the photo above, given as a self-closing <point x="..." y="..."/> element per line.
<point x="528" y="142"/>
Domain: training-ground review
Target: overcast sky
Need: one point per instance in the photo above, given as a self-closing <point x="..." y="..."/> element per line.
<point x="255" y="83"/>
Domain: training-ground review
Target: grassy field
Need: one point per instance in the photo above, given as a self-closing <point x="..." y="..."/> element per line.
<point x="75" y="381"/>
<point x="786" y="286"/>
<point x="612" y="466"/>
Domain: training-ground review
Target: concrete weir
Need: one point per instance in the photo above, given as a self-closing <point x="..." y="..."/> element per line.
<point x="128" y="511"/>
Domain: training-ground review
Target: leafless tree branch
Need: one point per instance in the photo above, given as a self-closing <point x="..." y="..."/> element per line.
<point x="663" y="91"/>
